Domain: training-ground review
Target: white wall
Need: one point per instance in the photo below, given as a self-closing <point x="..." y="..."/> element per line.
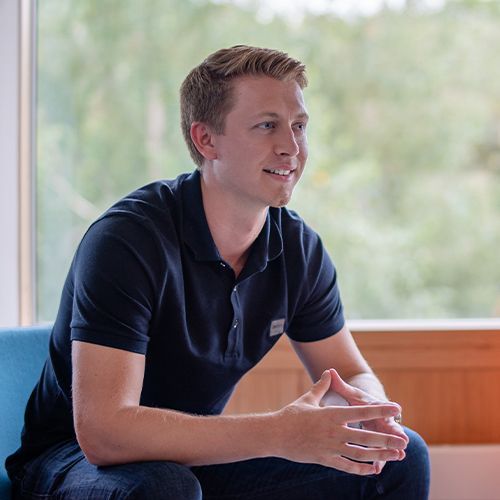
<point x="9" y="127"/>
<point x="465" y="472"/>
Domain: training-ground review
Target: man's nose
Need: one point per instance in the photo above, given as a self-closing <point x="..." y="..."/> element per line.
<point x="286" y="143"/>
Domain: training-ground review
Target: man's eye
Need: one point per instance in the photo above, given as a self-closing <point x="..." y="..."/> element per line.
<point x="301" y="126"/>
<point x="266" y="125"/>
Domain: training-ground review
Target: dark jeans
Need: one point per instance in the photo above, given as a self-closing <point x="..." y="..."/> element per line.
<point x="63" y="473"/>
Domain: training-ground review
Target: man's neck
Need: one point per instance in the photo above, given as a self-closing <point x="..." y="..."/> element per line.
<point x="233" y="226"/>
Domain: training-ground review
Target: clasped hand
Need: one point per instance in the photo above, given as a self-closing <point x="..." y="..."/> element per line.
<point x="316" y="434"/>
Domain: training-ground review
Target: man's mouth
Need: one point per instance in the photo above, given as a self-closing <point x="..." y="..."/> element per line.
<point x="280" y="171"/>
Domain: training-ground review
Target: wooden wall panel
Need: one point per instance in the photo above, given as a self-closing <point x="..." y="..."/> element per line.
<point x="448" y="382"/>
<point x="265" y="391"/>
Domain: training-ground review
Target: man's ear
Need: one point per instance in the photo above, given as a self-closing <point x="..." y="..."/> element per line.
<point x="202" y="136"/>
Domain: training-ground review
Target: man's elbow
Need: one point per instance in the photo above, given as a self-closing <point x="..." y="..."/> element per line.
<point x="97" y="444"/>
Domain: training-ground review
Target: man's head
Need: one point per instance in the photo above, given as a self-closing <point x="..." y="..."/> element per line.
<point x="206" y="93"/>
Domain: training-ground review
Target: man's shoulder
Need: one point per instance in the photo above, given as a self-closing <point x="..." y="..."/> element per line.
<point x="158" y="195"/>
<point x="149" y="213"/>
<point x="153" y="204"/>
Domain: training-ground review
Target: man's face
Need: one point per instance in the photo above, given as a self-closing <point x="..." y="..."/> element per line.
<point x="263" y="151"/>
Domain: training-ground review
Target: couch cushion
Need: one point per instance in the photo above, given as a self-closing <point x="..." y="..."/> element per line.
<point x="22" y="354"/>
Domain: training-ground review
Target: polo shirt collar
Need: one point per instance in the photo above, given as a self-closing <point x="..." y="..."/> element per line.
<point x="267" y="246"/>
<point x="195" y="230"/>
<point x="197" y="236"/>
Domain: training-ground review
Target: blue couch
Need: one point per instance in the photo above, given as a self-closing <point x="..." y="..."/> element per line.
<point x="22" y="354"/>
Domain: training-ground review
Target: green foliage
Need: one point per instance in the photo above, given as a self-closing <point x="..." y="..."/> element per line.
<point x="402" y="181"/>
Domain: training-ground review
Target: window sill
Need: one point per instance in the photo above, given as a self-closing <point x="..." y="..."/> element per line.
<point x="431" y="325"/>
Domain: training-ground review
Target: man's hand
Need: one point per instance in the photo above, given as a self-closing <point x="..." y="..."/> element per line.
<point x="315" y="434"/>
<point x="356" y="397"/>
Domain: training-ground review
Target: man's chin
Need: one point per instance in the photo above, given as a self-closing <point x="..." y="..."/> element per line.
<point x="281" y="203"/>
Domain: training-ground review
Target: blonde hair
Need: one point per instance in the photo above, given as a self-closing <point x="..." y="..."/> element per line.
<point x="206" y="93"/>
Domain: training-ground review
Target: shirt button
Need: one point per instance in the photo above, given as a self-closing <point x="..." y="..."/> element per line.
<point x="235" y="289"/>
<point x="235" y="324"/>
<point x="222" y="264"/>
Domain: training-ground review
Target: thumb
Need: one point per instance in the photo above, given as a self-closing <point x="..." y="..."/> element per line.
<point x="320" y="388"/>
<point x="348" y="392"/>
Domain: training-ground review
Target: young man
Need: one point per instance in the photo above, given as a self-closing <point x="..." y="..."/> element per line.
<point x="182" y="287"/>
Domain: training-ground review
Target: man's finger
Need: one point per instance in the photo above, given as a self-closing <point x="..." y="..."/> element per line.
<point x="364" y="454"/>
<point x="353" y="395"/>
<point x="346" y="465"/>
<point x="376" y="439"/>
<point x="319" y="389"/>
<point x="387" y="426"/>
<point x="379" y="465"/>
<point x="397" y="430"/>
<point x="348" y="414"/>
<point x="344" y="389"/>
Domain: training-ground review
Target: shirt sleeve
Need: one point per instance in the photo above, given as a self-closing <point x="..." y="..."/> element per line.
<point x="319" y="310"/>
<point x="114" y="281"/>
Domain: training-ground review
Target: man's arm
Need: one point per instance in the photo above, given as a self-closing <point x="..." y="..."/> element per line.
<point x="354" y="382"/>
<point x="112" y="427"/>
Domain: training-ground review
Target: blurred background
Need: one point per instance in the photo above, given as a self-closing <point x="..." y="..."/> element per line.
<point x="403" y="177"/>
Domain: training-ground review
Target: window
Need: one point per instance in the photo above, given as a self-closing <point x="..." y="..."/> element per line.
<point x="403" y="177"/>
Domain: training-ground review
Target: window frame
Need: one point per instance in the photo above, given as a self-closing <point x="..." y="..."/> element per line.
<point x="17" y="201"/>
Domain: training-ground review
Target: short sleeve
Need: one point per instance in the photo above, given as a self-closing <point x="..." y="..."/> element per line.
<point x="319" y="311"/>
<point x="114" y="276"/>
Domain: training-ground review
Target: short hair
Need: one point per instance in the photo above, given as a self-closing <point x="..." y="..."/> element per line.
<point x="206" y="93"/>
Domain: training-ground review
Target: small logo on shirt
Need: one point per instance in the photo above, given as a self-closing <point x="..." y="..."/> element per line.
<point x="277" y="327"/>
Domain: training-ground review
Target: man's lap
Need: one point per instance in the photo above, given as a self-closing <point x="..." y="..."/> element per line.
<point x="63" y="472"/>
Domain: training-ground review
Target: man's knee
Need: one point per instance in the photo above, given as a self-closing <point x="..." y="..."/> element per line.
<point x="165" y="481"/>
<point x="408" y="478"/>
<point x="413" y="473"/>
<point x="417" y="452"/>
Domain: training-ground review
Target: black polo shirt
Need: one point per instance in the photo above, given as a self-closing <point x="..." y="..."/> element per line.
<point x="148" y="278"/>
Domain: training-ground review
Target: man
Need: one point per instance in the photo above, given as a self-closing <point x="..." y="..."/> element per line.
<point x="177" y="291"/>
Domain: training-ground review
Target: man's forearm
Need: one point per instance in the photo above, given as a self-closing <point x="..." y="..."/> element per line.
<point x="141" y="434"/>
